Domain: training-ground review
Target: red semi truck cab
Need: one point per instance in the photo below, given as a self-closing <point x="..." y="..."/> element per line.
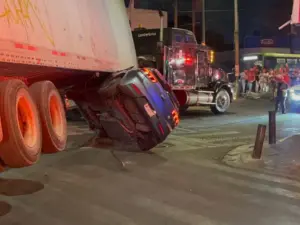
<point x="186" y="65"/>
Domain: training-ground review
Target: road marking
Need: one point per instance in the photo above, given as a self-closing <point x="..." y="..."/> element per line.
<point x="179" y="143"/>
<point x="260" y="187"/>
<point x="210" y="134"/>
<point x="183" y="129"/>
<point x="251" y="174"/>
<point x="178" y="214"/>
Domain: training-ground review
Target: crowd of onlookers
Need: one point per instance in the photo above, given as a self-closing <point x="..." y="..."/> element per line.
<point x="262" y="80"/>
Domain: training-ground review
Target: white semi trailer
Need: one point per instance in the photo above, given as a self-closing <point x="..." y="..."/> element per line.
<point x="82" y="49"/>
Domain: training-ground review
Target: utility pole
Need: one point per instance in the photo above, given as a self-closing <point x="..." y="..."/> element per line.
<point x="194" y="4"/>
<point x="203" y="23"/>
<point x="131" y="9"/>
<point x="175" y="13"/>
<point x="236" y="46"/>
<point x="293" y="34"/>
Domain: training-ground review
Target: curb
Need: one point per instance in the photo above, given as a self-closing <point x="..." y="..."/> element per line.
<point x="242" y="155"/>
<point x="288" y="137"/>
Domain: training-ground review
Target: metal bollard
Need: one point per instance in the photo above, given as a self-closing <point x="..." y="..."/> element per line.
<point x="259" y="141"/>
<point x="272" y="127"/>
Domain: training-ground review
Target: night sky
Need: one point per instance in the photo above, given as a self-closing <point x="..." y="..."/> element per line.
<point x="257" y="17"/>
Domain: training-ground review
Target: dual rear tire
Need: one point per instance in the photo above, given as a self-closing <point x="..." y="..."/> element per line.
<point x="32" y="120"/>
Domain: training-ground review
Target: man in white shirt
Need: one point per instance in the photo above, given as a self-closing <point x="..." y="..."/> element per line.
<point x="263" y="81"/>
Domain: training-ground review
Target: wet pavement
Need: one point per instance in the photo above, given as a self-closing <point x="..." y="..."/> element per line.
<point x="182" y="181"/>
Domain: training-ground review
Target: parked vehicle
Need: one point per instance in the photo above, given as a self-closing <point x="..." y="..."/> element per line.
<point x="293" y="98"/>
<point x="84" y="51"/>
<point x="186" y="65"/>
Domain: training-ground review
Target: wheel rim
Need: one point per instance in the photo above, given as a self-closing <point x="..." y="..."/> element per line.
<point x="222" y="102"/>
<point x="56" y="115"/>
<point x="27" y="122"/>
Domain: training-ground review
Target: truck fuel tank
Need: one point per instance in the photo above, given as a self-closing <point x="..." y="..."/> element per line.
<point x="194" y="98"/>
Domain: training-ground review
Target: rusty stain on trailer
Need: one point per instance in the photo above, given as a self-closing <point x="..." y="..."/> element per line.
<point x="22" y="12"/>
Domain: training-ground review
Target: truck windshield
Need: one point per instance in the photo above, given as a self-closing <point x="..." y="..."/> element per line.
<point x="190" y="39"/>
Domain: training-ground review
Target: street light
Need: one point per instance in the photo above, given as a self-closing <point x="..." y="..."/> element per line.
<point x="236" y="47"/>
<point x="175" y="13"/>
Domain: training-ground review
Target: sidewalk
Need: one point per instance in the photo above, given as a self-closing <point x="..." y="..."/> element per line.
<point x="253" y="95"/>
<point x="282" y="158"/>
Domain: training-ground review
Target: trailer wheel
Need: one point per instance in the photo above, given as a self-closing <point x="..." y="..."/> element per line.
<point x="53" y="117"/>
<point x="222" y="101"/>
<point x="22" y="139"/>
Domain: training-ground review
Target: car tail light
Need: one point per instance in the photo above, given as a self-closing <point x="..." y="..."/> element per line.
<point x="161" y="128"/>
<point x="175" y="116"/>
<point x="150" y="75"/>
<point x="136" y="89"/>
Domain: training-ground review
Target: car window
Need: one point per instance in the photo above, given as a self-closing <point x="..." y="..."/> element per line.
<point x="178" y="38"/>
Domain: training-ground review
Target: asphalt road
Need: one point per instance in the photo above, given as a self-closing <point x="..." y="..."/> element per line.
<point x="181" y="182"/>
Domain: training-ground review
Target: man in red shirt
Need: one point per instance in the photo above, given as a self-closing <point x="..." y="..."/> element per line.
<point x="251" y="79"/>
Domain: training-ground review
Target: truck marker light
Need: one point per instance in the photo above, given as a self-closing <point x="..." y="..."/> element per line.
<point x="150" y="75"/>
<point x="188" y="61"/>
<point x="26" y="47"/>
<point x="59" y="53"/>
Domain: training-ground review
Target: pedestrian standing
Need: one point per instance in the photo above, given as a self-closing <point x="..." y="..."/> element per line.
<point x="251" y="80"/>
<point x="281" y="94"/>
<point x="243" y="78"/>
<point x="263" y="79"/>
<point x="256" y="84"/>
<point x="272" y="83"/>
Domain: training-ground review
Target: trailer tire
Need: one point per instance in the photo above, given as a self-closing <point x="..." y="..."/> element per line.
<point x="22" y="136"/>
<point x="222" y="100"/>
<point x="53" y="117"/>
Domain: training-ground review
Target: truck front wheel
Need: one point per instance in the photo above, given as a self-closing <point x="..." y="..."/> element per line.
<point x="222" y="102"/>
<point x="52" y="114"/>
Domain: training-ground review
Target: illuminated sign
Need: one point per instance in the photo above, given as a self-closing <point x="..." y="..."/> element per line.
<point x="146" y="34"/>
<point x="249" y="58"/>
<point x="267" y="42"/>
